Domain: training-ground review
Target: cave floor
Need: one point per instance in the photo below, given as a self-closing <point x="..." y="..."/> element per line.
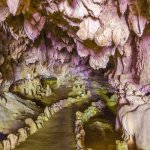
<point x="57" y="133"/>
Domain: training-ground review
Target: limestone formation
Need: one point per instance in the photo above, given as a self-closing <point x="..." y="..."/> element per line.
<point x="80" y="133"/>
<point x="33" y="128"/>
<point x="47" y="46"/>
<point x="47" y="112"/>
<point x="39" y="124"/>
<point x="22" y="135"/>
<point x="13" y="140"/>
<point x="6" y="145"/>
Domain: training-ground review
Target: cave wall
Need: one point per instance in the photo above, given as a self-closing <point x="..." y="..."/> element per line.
<point x="69" y="37"/>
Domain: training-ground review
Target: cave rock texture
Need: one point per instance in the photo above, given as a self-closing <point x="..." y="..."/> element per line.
<point x="67" y="39"/>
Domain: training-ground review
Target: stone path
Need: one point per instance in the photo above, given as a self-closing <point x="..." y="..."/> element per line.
<point x="56" y="134"/>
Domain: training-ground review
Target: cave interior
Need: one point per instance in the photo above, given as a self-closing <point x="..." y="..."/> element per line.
<point x="74" y="74"/>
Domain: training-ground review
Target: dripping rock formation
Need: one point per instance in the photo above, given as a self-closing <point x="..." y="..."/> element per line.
<point x="52" y="50"/>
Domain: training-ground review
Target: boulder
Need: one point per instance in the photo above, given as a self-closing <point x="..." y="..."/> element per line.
<point x="39" y="124"/>
<point x="13" y="140"/>
<point x="47" y="112"/>
<point x="22" y="135"/>
<point x="6" y="145"/>
<point x="32" y="125"/>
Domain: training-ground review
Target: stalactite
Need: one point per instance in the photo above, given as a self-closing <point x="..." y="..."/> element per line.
<point x="68" y="40"/>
